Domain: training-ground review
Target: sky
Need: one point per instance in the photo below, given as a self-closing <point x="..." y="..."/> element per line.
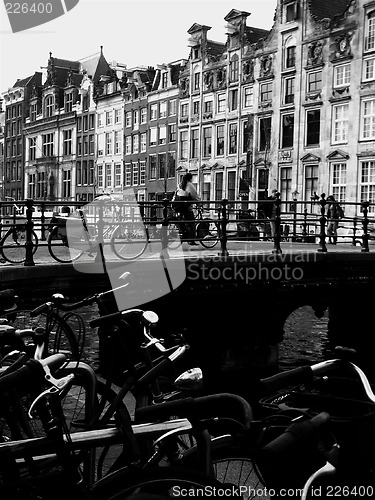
<point x="136" y="33"/>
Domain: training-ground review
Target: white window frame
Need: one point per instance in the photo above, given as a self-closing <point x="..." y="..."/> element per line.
<point x="368" y="117"/>
<point x="338" y="180"/>
<point x="128" y="119"/>
<point x="163" y="109"/>
<point x="369" y="31"/>
<point x="108" y="117"/>
<point x="117" y="115"/>
<point x="143" y="142"/>
<point x="341" y="75"/>
<point x="142" y="173"/>
<point x="135" y="144"/>
<point x="144" y="115"/>
<point x="135" y="174"/>
<point x="367" y="69"/>
<point x="153" y="111"/>
<point x="340" y="122"/>
<point x="128" y="174"/>
<point x="162" y="134"/>
<point x="248" y="97"/>
<point x="100" y="120"/>
<point x="118" y="142"/>
<point x="117" y="175"/>
<point x="172" y="107"/>
<point x="221" y="102"/>
<point x="367" y="187"/>
<point x="128" y="145"/>
<point x="153" y="136"/>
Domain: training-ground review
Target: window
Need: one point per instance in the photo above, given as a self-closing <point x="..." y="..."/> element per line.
<point x="208" y="106"/>
<point x="184" y="110"/>
<point x="171" y="163"/>
<point x="207" y="141"/>
<point x="32" y="187"/>
<point x="161" y="166"/>
<point x="196" y="80"/>
<point x="135" y="119"/>
<point x="163" y="109"/>
<point x="339" y="181"/>
<point x="85" y="145"/>
<point x="128" y="119"/>
<point x="33" y="112"/>
<point x="231" y="186"/>
<point x="152" y="172"/>
<point x="100" y="144"/>
<point x="368" y="182"/>
<point x="49" y="105"/>
<point x="286" y="183"/>
<point x="233" y="68"/>
<point x="91" y="121"/>
<point x="85" y="123"/>
<point x="67" y="142"/>
<point x="172" y="107"/>
<point x="100" y="176"/>
<point x="19" y="146"/>
<point x="66" y="184"/>
<point x="32" y="149"/>
<point x="91" y="172"/>
<point x="196" y="106"/>
<point x="290" y="12"/>
<point x="164" y="80"/>
<point x="135" y="174"/>
<point x="100" y="120"/>
<point x="142" y="173"/>
<point x="68" y="102"/>
<point x="41" y="185"/>
<point x="219" y="178"/>
<point x="194" y="143"/>
<point x="370" y="31"/>
<point x="117" y="115"/>
<point x="341" y="75"/>
<point x="369" y="69"/>
<point x="143" y="142"/>
<point x="128" y="174"/>
<point x="108" y="142"/>
<point x="108" y="117"/>
<point x="79" y="173"/>
<point x="162" y="134"/>
<point x="183" y="145"/>
<point x="311" y="181"/>
<point x="233" y="99"/>
<point x="135" y="144"/>
<point x="172" y="132"/>
<point x="287" y="131"/>
<point x="266" y="92"/>
<point x="340" y="123"/>
<point x="117" y="142"/>
<point x="289" y="90"/>
<point x="248" y="97"/>
<point x="232" y="138"/>
<point x="143" y="115"/>
<point x="290" y="52"/>
<point x="314" y="81"/>
<point x="313" y="127"/>
<point x="47" y="144"/>
<point x="19" y="173"/>
<point x="91" y="144"/>
<point x="153" y="111"/>
<point x="221" y="103"/>
<point x="14" y="148"/>
<point x="246" y="136"/>
<point x="128" y="145"/>
<point x="153" y="134"/>
<point x="220" y="140"/>
<point x="84" y="172"/>
<point x="206" y="191"/>
<point x="117" y="175"/>
<point x="264" y="133"/>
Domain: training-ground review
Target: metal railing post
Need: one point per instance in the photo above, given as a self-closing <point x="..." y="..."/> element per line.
<point x="277" y="221"/>
<point x="29" y="230"/>
<point x="42" y="221"/>
<point x="365" y="221"/>
<point x="164" y="230"/>
<point x="304" y="225"/>
<point x="224" y="221"/>
<point x="323" y="220"/>
<point x="100" y="238"/>
<point x="355" y="222"/>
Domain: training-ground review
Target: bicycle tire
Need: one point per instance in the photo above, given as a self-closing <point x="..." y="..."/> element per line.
<point x="61" y="337"/>
<point x="174" y="236"/>
<point x="16" y="251"/>
<point x="61" y="251"/>
<point x="160" y="481"/>
<point x="129" y="240"/>
<point x="207" y="233"/>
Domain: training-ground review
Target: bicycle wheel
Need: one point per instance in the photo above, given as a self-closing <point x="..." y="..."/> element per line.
<point x="13" y="245"/>
<point x="129" y="240"/>
<point x="59" y="249"/>
<point x="61" y="337"/>
<point x="207" y="233"/>
<point x="168" y="482"/>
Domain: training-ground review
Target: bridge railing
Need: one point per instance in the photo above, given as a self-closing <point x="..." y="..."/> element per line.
<point x="277" y="221"/>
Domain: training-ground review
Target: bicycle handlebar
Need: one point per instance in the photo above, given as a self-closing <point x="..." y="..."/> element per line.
<point x="115" y="316"/>
<point x="215" y="405"/>
<point x="305" y="374"/>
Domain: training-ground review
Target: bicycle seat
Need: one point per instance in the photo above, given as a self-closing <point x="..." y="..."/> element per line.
<point x="58" y="298"/>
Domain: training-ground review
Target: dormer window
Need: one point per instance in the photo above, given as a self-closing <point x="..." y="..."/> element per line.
<point x="49" y="106"/>
<point x="196" y="80"/>
<point x="195" y="53"/>
<point x="164" y="80"/>
<point x="68" y="102"/>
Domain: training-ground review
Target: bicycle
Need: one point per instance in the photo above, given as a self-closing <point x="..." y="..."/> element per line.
<point x="21" y="479"/>
<point x="127" y="239"/>
<point x="13" y="242"/>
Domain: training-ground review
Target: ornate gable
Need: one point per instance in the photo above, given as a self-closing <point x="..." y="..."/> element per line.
<point x="337" y="155"/>
<point x="310" y="158"/>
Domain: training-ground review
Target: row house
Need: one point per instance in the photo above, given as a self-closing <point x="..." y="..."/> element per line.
<point x="16" y="108"/>
<point x="216" y="108"/>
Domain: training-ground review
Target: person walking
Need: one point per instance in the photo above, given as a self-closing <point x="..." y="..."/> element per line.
<point x="186" y="192"/>
<point x="334" y="214"/>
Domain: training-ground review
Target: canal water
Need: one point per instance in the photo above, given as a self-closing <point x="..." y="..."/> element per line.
<point x="305" y="339"/>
